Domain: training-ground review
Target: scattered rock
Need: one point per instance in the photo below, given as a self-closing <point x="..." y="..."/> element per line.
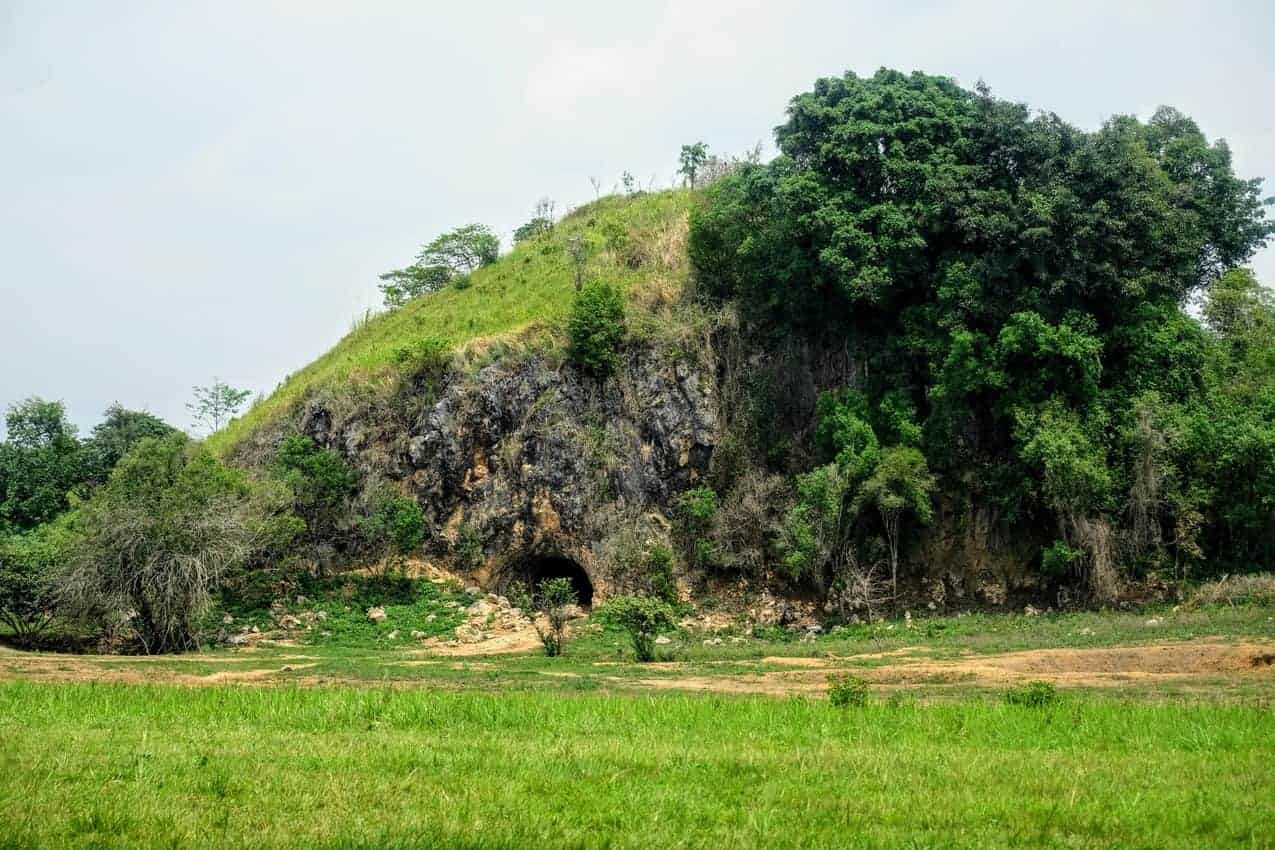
<point x="1154" y="621"/>
<point x="287" y="668"/>
<point x="392" y="635"/>
<point x="227" y="620"/>
<point x="376" y="614"/>
<point x="663" y="640"/>
<point x="417" y="634"/>
<point x="287" y="621"/>
<point x="473" y="590"/>
<point x="236" y="640"/>
<point x="1031" y="611"/>
<point x="712" y="642"/>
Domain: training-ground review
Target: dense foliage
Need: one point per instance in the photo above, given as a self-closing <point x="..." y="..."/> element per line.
<point x="596" y="327"/>
<point x="1013" y="294"/>
<point x="155" y="542"/>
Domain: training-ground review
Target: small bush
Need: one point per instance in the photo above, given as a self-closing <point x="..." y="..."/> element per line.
<point x="643" y="617"/>
<point x="845" y="690"/>
<point x="1037" y="694"/>
<point x="596" y="328"/>
<point x="696" y="510"/>
<point x="1059" y="560"/>
<point x="659" y="565"/>
<point x="553" y="598"/>
<point x="468" y="547"/>
<point x="1258" y="589"/>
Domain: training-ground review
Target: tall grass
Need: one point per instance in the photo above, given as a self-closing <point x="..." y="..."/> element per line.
<point x="137" y="766"/>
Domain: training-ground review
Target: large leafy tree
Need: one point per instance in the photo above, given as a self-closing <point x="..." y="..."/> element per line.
<point x="117" y="433"/>
<point x="1015" y="281"/>
<point x="41" y="461"/>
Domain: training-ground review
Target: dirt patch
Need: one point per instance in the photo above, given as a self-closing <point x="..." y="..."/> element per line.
<point x="128" y="670"/>
<point x="1111" y="667"/>
<point x="520" y="641"/>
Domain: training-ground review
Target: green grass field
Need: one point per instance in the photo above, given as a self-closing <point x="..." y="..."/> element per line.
<point x="374" y="745"/>
<point x="91" y="765"/>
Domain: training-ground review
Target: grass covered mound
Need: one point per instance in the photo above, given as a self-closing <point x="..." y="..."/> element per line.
<point x="162" y="766"/>
<point x="623" y="239"/>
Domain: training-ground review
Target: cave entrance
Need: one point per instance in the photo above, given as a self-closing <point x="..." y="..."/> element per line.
<point x="540" y="568"/>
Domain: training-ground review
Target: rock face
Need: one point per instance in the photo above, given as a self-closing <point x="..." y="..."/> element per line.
<point x="529" y="457"/>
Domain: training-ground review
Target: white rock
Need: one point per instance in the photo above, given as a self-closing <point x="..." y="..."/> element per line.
<point x="376" y="614"/>
<point x="664" y="640"/>
<point x="473" y="590"/>
<point x="393" y="635"/>
<point x="481" y="608"/>
<point x="417" y="634"/>
<point x="227" y="620"/>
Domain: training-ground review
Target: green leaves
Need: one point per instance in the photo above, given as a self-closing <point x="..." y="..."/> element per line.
<point x="596" y="327"/>
<point x="448" y="258"/>
<point x="643" y="617"/>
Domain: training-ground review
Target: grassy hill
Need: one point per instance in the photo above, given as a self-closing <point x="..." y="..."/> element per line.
<point x="629" y="240"/>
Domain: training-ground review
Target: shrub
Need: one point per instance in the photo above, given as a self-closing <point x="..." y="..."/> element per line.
<point x="1059" y="560"/>
<point x="397" y="524"/>
<point x="1036" y="694"/>
<point x="659" y="568"/>
<point x="468" y="546"/>
<point x="643" y="618"/>
<point x="696" y="509"/>
<point x="596" y="328"/>
<point x="553" y="598"/>
<point x="845" y="690"/>
<point x="27" y="571"/>
<point x="1256" y="589"/>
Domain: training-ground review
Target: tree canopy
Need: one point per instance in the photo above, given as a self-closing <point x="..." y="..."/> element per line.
<point x="1020" y="284"/>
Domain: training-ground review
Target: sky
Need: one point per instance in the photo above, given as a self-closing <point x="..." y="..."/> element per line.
<point x="194" y="190"/>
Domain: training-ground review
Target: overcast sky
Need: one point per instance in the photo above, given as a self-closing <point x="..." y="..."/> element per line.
<point x="191" y="190"/>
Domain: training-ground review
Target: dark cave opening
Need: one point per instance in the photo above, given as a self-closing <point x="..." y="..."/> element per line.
<point x="539" y="568"/>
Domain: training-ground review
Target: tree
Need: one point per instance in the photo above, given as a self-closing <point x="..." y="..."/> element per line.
<point x="154" y="543"/>
<point x="321" y="484"/>
<point x="454" y="253"/>
<point x="900" y="484"/>
<point x="552" y="599"/>
<point x="117" y="433"/>
<point x="692" y="159"/>
<point x="216" y="404"/>
<point x="989" y="267"/>
<point x="40" y="463"/>
<point x="402" y="285"/>
<point x="541" y="222"/>
<point x="643" y="618"/>
<point x="596" y="328"/>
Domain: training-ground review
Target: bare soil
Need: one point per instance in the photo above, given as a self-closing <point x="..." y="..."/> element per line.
<point x="1201" y="663"/>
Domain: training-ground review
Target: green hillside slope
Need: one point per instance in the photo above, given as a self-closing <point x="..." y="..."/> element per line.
<point x="625" y="240"/>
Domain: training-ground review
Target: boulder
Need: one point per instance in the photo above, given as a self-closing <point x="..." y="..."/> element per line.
<point x="377" y="614"/>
